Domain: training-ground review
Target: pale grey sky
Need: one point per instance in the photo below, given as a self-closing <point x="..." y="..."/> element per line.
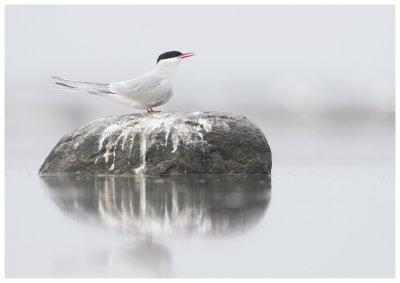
<point x="278" y="60"/>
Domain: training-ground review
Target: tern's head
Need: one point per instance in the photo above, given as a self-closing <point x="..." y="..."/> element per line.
<point x="172" y="58"/>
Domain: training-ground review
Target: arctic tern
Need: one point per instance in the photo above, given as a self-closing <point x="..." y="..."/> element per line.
<point x="144" y="92"/>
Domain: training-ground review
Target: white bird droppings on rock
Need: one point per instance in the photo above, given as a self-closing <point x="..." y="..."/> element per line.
<point x="168" y="143"/>
<point x="176" y="127"/>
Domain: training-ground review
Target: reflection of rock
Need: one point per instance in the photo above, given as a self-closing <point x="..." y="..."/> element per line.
<point x="168" y="143"/>
<point x="154" y="206"/>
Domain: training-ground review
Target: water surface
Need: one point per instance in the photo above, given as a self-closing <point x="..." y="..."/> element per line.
<point x="327" y="211"/>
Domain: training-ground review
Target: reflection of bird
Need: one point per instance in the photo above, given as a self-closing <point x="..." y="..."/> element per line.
<point x="134" y="259"/>
<point x="141" y="259"/>
<point x="144" y="92"/>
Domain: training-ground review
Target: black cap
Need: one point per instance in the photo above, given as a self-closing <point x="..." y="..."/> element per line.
<point x="169" y="54"/>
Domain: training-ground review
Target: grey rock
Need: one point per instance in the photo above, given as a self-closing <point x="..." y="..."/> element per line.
<point x="168" y="143"/>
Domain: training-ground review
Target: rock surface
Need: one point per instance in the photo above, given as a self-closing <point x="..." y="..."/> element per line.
<point x="170" y="143"/>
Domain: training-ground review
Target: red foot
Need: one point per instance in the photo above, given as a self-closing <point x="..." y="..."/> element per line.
<point x="152" y="111"/>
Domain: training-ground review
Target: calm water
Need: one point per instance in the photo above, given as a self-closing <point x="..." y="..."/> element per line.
<point x="327" y="211"/>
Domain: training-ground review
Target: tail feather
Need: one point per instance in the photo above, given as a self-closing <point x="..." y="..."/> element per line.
<point x="94" y="88"/>
<point x="97" y="89"/>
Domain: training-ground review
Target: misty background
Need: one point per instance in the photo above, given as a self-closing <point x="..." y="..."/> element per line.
<point x="306" y="62"/>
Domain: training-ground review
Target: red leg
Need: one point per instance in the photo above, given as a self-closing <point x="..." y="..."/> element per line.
<point x="148" y="111"/>
<point x="151" y="110"/>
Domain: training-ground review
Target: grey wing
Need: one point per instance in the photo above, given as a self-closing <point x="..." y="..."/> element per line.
<point x="147" y="91"/>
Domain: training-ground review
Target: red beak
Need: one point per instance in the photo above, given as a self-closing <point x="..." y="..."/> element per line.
<point x="185" y="55"/>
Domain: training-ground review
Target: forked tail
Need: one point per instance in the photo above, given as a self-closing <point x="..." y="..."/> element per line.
<point x="93" y="88"/>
